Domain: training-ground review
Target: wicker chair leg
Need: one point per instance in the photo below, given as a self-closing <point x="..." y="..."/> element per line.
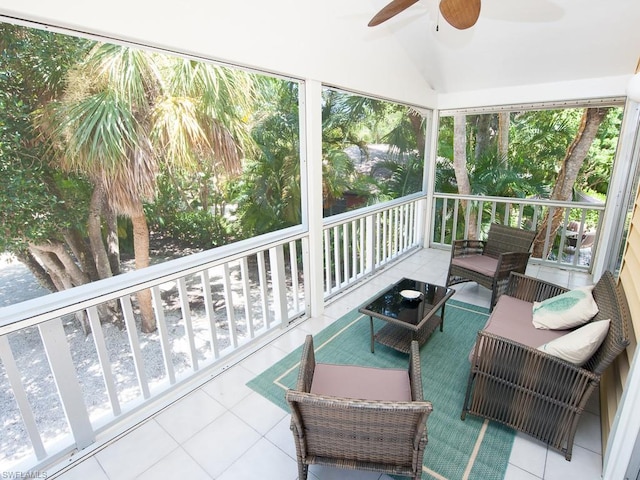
<point x="303" y="470"/>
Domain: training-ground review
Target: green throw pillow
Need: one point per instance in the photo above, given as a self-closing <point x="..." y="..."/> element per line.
<point x="562" y="312"/>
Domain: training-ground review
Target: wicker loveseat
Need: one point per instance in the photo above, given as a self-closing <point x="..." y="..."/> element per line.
<point x="359" y="418"/>
<point x="489" y="262"/>
<point x="514" y="383"/>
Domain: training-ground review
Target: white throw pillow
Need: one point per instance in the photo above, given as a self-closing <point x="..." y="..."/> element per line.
<point x="565" y="311"/>
<point x="578" y="346"/>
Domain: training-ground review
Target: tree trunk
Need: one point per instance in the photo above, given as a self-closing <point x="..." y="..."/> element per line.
<point x="141" y="252"/>
<point x="460" y="167"/>
<point x="81" y="251"/>
<point x="483" y="135"/>
<point x="94" y="228"/>
<point x="416" y="123"/>
<point x="113" y="243"/>
<point x="503" y="137"/>
<point x="37" y="270"/>
<point x="68" y="270"/>
<point x="569" y="169"/>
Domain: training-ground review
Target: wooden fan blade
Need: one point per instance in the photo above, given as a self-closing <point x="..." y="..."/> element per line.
<point x="460" y="14"/>
<point x="391" y="10"/>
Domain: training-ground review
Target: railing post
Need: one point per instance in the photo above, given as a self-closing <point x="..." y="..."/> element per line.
<point x="370" y="248"/>
<point x="279" y="285"/>
<point x="65" y="376"/>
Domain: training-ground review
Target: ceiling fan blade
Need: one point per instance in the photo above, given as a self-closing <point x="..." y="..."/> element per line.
<point x="391" y="10"/>
<point x="460" y="14"/>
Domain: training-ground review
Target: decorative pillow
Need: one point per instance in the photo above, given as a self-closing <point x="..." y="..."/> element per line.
<point x="578" y="346"/>
<point x="565" y="311"/>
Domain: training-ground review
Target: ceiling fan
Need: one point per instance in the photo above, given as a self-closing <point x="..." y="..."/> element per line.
<point x="460" y="14"/>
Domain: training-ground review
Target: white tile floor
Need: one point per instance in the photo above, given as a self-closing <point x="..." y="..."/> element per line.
<point x="223" y="430"/>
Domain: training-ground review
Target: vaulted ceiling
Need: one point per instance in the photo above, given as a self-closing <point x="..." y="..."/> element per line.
<point x="519" y="50"/>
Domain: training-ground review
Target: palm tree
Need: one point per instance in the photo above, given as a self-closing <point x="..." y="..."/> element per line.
<point x="126" y="110"/>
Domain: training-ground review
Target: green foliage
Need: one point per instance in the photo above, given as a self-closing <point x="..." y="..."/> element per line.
<point x="39" y="202"/>
<point x="538" y="142"/>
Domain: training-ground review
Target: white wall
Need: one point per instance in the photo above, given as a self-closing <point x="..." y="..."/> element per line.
<point x="305" y="39"/>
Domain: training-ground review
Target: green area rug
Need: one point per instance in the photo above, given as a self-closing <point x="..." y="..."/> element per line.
<point x="470" y="449"/>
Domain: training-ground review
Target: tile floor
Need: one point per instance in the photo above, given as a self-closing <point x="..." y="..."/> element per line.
<point x="223" y="430"/>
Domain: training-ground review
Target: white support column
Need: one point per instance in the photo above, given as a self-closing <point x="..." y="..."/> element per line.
<point x="66" y="378"/>
<point x="312" y="133"/>
<point x="429" y="178"/>
<point x="619" y="194"/>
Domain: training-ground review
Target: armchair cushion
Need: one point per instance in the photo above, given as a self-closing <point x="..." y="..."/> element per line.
<point x="568" y="310"/>
<point x="579" y="345"/>
<point x="482" y="264"/>
<point x="364" y="383"/>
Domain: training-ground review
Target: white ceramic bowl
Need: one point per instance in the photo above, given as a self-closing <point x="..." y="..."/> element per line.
<point x="410" y="294"/>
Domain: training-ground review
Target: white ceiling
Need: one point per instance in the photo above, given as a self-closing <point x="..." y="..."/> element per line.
<point x="519" y="50"/>
<point x="519" y="42"/>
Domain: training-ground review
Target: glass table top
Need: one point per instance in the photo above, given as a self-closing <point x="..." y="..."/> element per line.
<point x="391" y="304"/>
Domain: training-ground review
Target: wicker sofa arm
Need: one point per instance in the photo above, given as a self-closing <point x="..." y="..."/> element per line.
<point x="527" y="372"/>
<point x="461" y="248"/>
<point x="531" y="289"/>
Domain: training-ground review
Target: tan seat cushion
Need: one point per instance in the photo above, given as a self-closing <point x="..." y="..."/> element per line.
<point x="512" y="318"/>
<point x="482" y="264"/>
<point x="366" y="383"/>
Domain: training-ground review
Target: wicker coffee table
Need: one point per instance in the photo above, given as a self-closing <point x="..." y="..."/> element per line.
<point x="406" y="320"/>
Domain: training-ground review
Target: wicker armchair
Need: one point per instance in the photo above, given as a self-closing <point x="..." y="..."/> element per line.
<point x="357" y="433"/>
<point x="532" y="391"/>
<point x="489" y="262"/>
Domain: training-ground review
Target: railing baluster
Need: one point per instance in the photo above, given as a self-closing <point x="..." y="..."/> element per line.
<point x="354" y="250"/>
<point x="14" y="377"/>
<point x="371" y="239"/>
<point x="211" y="317"/>
<point x="443" y="224"/>
<point x="246" y="292"/>
<point x="478" y="227"/>
<point x="293" y="268"/>
<point x="134" y="344"/>
<point x="520" y="215"/>
<point x="336" y="257"/>
<point x="188" y="322"/>
<point x="383" y="246"/>
<point x="345" y="253"/>
<point x="164" y="334"/>
<point x="228" y="303"/>
<point x="327" y="262"/>
<point x="103" y="359"/>
<point x="264" y="298"/>
<point x="378" y="235"/>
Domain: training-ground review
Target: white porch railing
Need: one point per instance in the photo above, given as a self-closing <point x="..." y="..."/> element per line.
<point x="358" y="244"/>
<point x="567" y="248"/>
<point x="60" y="388"/>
